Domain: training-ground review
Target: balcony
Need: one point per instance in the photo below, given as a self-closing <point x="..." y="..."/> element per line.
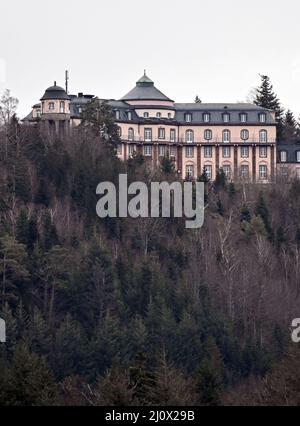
<point x="217" y="140"/>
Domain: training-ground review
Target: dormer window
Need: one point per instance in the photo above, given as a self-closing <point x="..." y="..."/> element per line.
<point x="129" y="115"/>
<point x="243" y="117"/>
<point x="146" y="114"/>
<point x="298" y="156"/>
<point x="226" y="117"/>
<point x="283" y="156"/>
<point x="262" y="118"/>
<point x="206" y="117"/>
<point x="51" y="106"/>
<point x="188" y="117"/>
<point x="117" y="115"/>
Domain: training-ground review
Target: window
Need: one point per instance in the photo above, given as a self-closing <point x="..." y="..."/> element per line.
<point x="206" y="117"/>
<point x="298" y="172"/>
<point x="262" y="118"/>
<point x="169" y="115"/>
<point x="207" y="151"/>
<point x="118" y="115"/>
<point x="147" y="150"/>
<point x="208" y="171"/>
<point x="227" y="170"/>
<point x="244" y="171"/>
<point x="298" y="156"/>
<point x="283" y="156"/>
<point x="162" y="150"/>
<point x="161" y="133"/>
<point x="131" y="149"/>
<point x="158" y="115"/>
<point x="130" y="134"/>
<point x="226" y="152"/>
<point x="189" y="151"/>
<point x="245" y="152"/>
<point x="263" y="172"/>
<point x="189" y="136"/>
<point x="226" y="117"/>
<point x="79" y="109"/>
<point x="284" y="172"/>
<point x="51" y="106"/>
<point x="245" y="134"/>
<point x="189" y="172"/>
<point x="148" y="135"/>
<point x="188" y="118"/>
<point x="146" y="114"/>
<point x="62" y="106"/>
<point x="263" y="136"/>
<point x="263" y="151"/>
<point x="172" y="135"/>
<point x="129" y="115"/>
<point x="243" y="117"/>
<point x="226" y="135"/>
<point x="119" y="131"/>
<point x="208" y="135"/>
<point x="119" y="149"/>
<point x="173" y="151"/>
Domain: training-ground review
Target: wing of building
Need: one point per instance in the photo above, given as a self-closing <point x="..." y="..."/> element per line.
<point x="238" y="138"/>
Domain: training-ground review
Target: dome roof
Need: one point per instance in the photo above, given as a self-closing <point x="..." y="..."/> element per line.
<point x="145" y="90"/>
<point x="55" y="92"/>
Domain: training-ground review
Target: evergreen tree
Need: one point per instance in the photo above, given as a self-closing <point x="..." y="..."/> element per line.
<point x="266" y="98"/>
<point x="290" y="128"/>
<point x="262" y="211"/>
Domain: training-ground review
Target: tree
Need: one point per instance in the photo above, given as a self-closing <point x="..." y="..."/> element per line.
<point x="13" y="268"/>
<point x="98" y="116"/>
<point x="210" y="377"/>
<point x="265" y="97"/>
<point x="290" y="128"/>
<point x="8" y="106"/>
<point x="30" y="382"/>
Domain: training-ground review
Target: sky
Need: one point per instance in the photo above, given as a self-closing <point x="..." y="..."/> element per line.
<point x="215" y="49"/>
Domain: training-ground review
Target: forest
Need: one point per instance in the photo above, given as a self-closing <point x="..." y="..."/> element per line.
<point x="124" y="312"/>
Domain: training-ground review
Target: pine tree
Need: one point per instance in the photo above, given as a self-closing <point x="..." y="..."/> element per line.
<point x="266" y="98"/>
<point x="262" y="211"/>
<point x="290" y="128"/>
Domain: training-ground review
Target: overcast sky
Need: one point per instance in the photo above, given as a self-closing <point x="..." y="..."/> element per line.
<point x="215" y="49"/>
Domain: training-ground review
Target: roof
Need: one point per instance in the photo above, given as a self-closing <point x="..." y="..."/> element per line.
<point x="216" y="112"/>
<point x="145" y="90"/>
<point x="55" y="92"/>
<point x="291" y="151"/>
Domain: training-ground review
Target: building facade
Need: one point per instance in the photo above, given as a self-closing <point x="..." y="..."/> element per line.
<point x="238" y="138"/>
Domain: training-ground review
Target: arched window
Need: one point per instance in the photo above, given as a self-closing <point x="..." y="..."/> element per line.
<point x="62" y="106"/>
<point x="130" y="134"/>
<point x="51" y="106"/>
<point x="189" y="136"/>
<point x="226" y="135"/>
<point x="119" y="131"/>
<point x="263" y="136"/>
<point x="207" y="134"/>
<point x="245" y="134"/>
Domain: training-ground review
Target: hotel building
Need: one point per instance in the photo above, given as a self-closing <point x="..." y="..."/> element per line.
<point x="238" y="138"/>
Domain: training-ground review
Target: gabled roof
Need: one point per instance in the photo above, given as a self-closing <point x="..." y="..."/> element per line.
<point x="145" y="90"/>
